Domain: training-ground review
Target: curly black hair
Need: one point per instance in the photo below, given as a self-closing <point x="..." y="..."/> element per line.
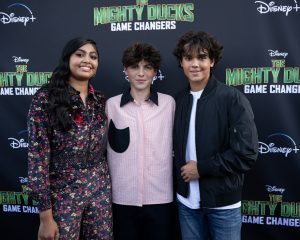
<point x="141" y="51"/>
<point x="196" y="42"/>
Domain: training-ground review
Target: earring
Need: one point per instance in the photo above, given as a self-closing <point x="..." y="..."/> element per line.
<point x="158" y="76"/>
<point x="126" y="76"/>
<point x="153" y="79"/>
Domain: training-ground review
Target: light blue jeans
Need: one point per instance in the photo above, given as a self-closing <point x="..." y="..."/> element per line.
<point x="209" y="224"/>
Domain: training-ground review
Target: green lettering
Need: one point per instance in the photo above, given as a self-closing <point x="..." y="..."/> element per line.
<point x="151" y="12"/>
<point x="11" y="198"/>
<point x="233" y="78"/>
<point x="113" y="11"/>
<point x="100" y="16"/>
<point x="288" y="76"/>
<point x="296" y="75"/>
<point x="169" y="14"/>
<point x="272" y="207"/>
<point x="275" y="73"/>
<point x="189" y="7"/>
<point x="19" y="77"/>
<point x="130" y="12"/>
<point x="139" y="11"/>
<point x="179" y="12"/>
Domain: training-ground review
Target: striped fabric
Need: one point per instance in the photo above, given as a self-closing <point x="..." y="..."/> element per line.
<point x="142" y="174"/>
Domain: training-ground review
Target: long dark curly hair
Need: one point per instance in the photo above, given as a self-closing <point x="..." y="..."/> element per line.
<point x="60" y="108"/>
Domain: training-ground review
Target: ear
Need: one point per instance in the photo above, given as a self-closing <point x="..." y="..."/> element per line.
<point x="212" y="64"/>
<point x="125" y="71"/>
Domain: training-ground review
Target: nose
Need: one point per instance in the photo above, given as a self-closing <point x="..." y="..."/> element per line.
<point x="141" y="71"/>
<point x="86" y="59"/>
<point x="195" y="62"/>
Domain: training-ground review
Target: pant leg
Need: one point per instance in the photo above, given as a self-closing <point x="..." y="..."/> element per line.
<point x="97" y="215"/>
<point x="157" y="221"/>
<point x="193" y="223"/>
<point x="225" y="224"/>
<point x="67" y="211"/>
<point x="126" y="222"/>
<point x="97" y="218"/>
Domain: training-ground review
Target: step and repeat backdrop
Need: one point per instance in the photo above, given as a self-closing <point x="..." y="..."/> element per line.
<point x="261" y="58"/>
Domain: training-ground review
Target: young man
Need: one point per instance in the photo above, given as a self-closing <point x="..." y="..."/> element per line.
<point x="140" y="151"/>
<point x="215" y="143"/>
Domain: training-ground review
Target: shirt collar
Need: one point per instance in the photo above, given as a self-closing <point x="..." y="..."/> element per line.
<point x="126" y="97"/>
<point x="91" y="92"/>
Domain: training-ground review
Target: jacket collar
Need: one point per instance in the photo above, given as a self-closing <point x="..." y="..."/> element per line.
<point x="210" y="86"/>
<point x="126" y="97"/>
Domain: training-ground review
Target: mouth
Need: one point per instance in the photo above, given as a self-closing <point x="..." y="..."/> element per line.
<point x="194" y="72"/>
<point x="85" y="68"/>
<point x="140" y="81"/>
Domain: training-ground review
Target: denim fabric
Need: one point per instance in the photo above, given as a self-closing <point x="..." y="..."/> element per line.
<point x="209" y="224"/>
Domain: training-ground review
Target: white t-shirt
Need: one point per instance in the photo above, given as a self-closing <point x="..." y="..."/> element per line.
<point x="193" y="199"/>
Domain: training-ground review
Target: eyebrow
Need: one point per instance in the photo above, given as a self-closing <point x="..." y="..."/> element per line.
<point x="203" y="55"/>
<point x="200" y="55"/>
<point x="81" y="50"/>
<point x="137" y="64"/>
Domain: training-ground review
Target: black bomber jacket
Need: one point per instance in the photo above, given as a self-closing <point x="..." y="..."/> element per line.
<point x="226" y="142"/>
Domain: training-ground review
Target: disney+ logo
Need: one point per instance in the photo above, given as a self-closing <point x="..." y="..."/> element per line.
<point x="271" y="147"/>
<point x="7" y="18"/>
<point x="264" y="7"/>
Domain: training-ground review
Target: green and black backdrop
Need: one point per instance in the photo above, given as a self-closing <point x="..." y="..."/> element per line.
<point x="261" y="58"/>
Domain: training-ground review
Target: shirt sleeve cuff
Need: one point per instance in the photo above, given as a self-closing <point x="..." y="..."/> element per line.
<point x="43" y="202"/>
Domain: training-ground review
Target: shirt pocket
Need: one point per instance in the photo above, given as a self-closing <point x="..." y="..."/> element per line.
<point x="118" y="139"/>
<point x="241" y="138"/>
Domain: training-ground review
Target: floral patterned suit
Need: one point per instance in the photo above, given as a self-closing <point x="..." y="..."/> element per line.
<point x="67" y="170"/>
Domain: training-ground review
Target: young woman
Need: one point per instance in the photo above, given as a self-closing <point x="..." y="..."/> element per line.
<point x="68" y="174"/>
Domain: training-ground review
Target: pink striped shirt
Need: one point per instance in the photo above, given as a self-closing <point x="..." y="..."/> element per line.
<point x="142" y="174"/>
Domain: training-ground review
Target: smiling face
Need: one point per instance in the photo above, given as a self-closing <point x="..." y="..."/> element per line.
<point x="140" y="76"/>
<point x="197" y="67"/>
<point x="83" y="63"/>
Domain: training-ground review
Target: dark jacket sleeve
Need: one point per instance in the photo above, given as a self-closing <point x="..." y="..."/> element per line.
<point x="38" y="153"/>
<point x="242" y="152"/>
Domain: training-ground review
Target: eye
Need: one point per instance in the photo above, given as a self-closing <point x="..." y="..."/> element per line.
<point x="134" y="66"/>
<point x="187" y="58"/>
<point x="79" y="54"/>
<point x="149" y="67"/>
<point x="203" y="57"/>
<point x="94" y="57"/>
